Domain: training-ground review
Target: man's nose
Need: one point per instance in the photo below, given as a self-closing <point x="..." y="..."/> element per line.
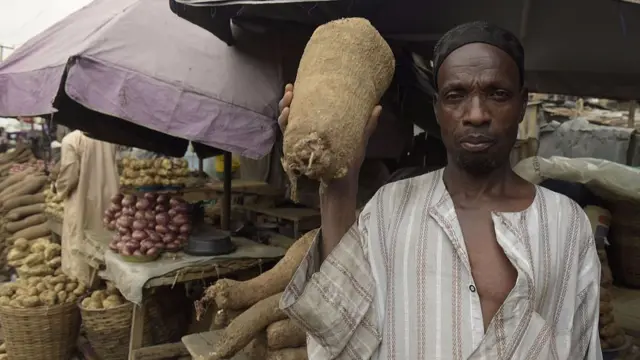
<point x="477" y="113"/>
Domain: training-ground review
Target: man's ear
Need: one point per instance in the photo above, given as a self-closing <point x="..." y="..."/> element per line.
<point x="524" y="93"/>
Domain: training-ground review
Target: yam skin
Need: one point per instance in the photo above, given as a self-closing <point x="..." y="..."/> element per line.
<point x="223" y="318"/>
<point x="285" y="334"/>
<point x="257" y="348"/>
<point x="288" y="354"/>
<point x="33" y="232"/>
<point x="247" y="326"/>
<point x="24" y="211"/>
<point x="24" y="200"/>
<point x="27" y="222"/>
<point x="237" y="295"/>
<point x="14" y="179"/>
<point x="30" y="186"/>
<point x="345" y="69"/>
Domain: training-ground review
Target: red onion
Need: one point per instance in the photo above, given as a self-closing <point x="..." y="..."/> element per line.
<point x="116" y="199"/>
<point x="116" y="237"/>
<point x="137" y="253"/>
<point x="120" y="245"/>
<point x="140" y="224"/>
<point x="160" y="208"/>
<point x="181" y="208"/>
<point x="147" y="244"/>
<point x="139" y="215"/>
<point x="139" y="235"/>
<point x="151" y="225"/>
<point x="185" y="229"/>
<point x="168" y="238"/>
<point x="161" y="229"/>
<point x="113" y="246"/>
<point x="172" y="246"/>
<point x="159" y="246"/>
<point x="162" y="199"/>
<point x="114" y="208"/>
<point x="123" y="230"/>
<point x="180" y="220"/>
<point x="106" y="221"/>
<point x="152" y="252"/>
<point x="149" y="215"/>
<point x="112" y="225"/>
<point x="126" y="238"/>
<point x="176" y="201"/>
<point x="173" y="228"/>
<point x="162" y="218"/>
<point x="172" y="212"/>
<point x="128" y="200"/>
<point x="150" y="196"/>
<point x="182" y="238"/>
<point x="154" y="236"/>
<point x="117" y="215"/>
<point x="143" y="204"/>
<point x="129" y="211"/>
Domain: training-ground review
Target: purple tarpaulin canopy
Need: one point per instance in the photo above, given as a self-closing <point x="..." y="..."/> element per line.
<point x="135" y="60"/>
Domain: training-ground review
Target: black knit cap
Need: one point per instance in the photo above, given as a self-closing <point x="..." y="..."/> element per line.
<point x="477" y="32"/>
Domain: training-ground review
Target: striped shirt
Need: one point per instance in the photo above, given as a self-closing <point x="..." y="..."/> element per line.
<point x="399" y="287"/>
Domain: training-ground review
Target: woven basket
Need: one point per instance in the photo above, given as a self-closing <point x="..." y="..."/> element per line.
<point x="47" y="333"/>
<point x="108" y="330"/>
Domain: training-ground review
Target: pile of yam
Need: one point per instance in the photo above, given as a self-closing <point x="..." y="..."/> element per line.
<point x="22" y="202"/>
<point x="249" y="315"/>
<point x="612" y="336"/>
<point x="20" y="155"/>
<point x="345" y="69"/>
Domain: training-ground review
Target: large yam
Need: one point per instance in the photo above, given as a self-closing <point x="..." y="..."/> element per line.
<point x="237" y="295"/>
<point x="285" y="334"/>
<point x="30" y="186"/>
<point x="247" y="326"/>
<point x="344" y="71"/>
<point x="32" y="233"/>
<point x="25" y="211"/>
<point x="288" y="354"/>
<point x="14" y="179"/>
<point x="30" y="221"/>
<point x="24" y="200"/>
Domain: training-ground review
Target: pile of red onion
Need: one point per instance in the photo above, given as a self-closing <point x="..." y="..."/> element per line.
<point x="147" y="225"/>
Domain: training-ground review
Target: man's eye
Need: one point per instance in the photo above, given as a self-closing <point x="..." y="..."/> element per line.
<point x="454" y="95"/>
<point x="500" y="94"/>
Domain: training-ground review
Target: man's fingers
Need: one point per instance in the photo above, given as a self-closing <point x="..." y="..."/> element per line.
<point x="286" y="100"/>
<point x="288" y="87"/>
<point x="283" y="118"/>
<point x="373" y="122"/>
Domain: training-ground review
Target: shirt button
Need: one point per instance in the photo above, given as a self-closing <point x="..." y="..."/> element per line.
<point x="472" y="288"/>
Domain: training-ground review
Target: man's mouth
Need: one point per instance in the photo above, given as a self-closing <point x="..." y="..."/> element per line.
<point x="476" y="143"/>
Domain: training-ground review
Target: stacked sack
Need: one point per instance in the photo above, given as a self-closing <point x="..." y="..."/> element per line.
<point x="250" y="311"/>
<point x="22" y="209"/>
<point x="611" y="335"/>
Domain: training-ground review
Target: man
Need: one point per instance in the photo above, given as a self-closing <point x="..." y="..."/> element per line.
<point x="467" y="262"/>
<point x="87" y="180"/>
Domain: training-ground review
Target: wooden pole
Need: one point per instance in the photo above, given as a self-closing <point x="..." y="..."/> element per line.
<point x="226" y="197"/>
<point x="631" y="124"/>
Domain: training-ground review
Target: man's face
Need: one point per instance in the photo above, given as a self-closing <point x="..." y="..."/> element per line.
<point x="479" y="106"/>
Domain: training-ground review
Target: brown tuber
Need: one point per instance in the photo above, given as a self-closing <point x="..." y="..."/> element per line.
<point x="344" y="71"/>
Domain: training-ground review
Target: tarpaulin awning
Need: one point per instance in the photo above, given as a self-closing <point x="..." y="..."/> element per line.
<point x="133" y="73"/>
<point x="579" y="47"/>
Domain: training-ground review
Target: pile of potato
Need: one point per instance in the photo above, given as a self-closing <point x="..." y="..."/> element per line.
<point x="611" y="335"/>
<point x="147" y="225"/>
<point x="54" y="203"/>
<point x="38" y="291"/>
<point x="108" y="298"/>
<point x="36" y="258"/>
<point x="154" y="172"/>
<point x="250" y="315"/>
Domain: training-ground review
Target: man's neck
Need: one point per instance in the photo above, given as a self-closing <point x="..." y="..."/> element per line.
<point x="495" y="183"/>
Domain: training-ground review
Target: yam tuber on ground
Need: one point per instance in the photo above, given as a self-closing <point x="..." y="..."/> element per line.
<point x="25" y="211"/>
<point x="24" y="200"/>
<point x="257" y="348"/>
<point x="33" y="232"/>
<point x="288" y="354"/>
<point x="285" y="334"/>
<point x="345" y="69"/>
<point x="223" y="317"/>
<point x="247" y="326"/>
<point x="237" y="295"/>
<point x="27" y="222"/>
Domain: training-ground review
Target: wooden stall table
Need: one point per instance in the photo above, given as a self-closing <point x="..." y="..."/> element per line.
<point x="134" y="280"/>
<point x="200" y="345"/>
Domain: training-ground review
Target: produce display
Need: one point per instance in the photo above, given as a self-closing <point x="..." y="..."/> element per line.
<point x="54" y="203"/>
<point x="108" y="298"/>
<point x="35" y="258"/>
<point x="40" y="282"/>
<point x="37" y="165"/>
<point x="21" y="155"/>
<point x="611" y="335"/>
<point x="147" y="225"/>
<point x="250" y="310"/>
<point x="323" y="135"/>
<point x="159" y="172"/>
